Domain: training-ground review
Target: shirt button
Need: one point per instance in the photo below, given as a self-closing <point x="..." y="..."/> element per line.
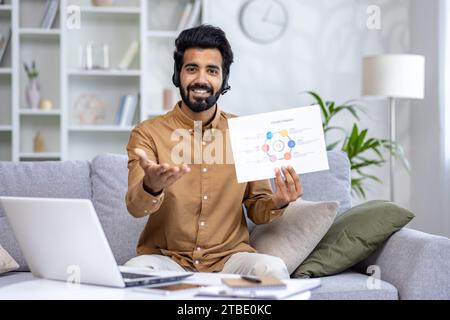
<point x="154" y="201"/>
<point x="196" y="262"/>
<point x="145" y="211"/>
<point x="205" y="170"/>
<point x="205" y="197"/>
<point x="202" y="223"/>
<point x="198" y="248"/>
<point x="272" y="212"/>
<point x="204" y="143"/>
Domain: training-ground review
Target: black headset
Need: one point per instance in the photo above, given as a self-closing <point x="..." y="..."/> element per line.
<point x="176" y="80"/>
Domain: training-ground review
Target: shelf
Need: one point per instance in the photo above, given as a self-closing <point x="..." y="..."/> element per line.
<point x="5" y="7"/>
<point x="38" y="112"/>
<point x="107" y="73"/>
<point x="40" y="155"/>
<point x="162" y="34"/>
<point x="37" y="32"/>
<point x="60" y="54"/>
<point x="100" y="128"/>
<point x="7" y="71"/>
<point x="110" y="10"/>
<point x="5" y="128"/>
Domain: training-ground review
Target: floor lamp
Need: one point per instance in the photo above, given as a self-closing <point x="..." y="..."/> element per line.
<point x="393" y="76"/>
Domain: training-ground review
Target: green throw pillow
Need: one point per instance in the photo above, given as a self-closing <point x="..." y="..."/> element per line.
<point x="353" y="236"/>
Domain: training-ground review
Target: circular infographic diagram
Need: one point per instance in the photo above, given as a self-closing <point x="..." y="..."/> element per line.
<point x="278" y="145"/>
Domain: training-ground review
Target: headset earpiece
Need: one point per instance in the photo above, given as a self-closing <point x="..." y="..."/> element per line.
<point x="176" y="76"/>
<point x="225" y="86"/>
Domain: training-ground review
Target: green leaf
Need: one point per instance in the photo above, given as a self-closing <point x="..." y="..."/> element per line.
<point x="372" y="177"/>
<point x="355" y="166"/>
<point x="330" y="107"/>
<point x="334" y="128"/>
<point x="333" y="145"/>
<point x="362" y="150"/>
<point x="347" y="108"/>
<point x="321" y="104"/>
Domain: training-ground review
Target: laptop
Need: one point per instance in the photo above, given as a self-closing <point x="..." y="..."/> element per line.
<point x="62" y="239"/>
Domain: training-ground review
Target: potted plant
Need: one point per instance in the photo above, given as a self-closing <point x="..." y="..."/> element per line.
<point x="33" y="90"/>
<point x="363" y="151"/>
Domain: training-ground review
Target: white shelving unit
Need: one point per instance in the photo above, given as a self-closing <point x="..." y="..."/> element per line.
<point x="64" y="80"/>
<point x="44" y="47"/>
<point x="6" y="86"/>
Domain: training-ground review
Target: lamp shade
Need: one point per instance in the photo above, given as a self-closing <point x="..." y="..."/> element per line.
<point x="394" y="75"/>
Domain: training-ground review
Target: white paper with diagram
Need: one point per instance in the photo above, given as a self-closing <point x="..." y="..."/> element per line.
<point x="262" y="142"/>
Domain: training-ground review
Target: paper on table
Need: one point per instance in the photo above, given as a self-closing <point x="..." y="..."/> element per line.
<point x="262" y="142"/>
<point x="264" y="283"/>
<point x="294" y="287"/>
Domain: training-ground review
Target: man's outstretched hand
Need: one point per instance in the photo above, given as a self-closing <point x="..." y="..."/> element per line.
<point x="289" y="189"/>
<point x="159" y="176"/>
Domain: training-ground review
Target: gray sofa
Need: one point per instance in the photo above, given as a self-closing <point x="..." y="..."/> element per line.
<point x="413" y="264"/>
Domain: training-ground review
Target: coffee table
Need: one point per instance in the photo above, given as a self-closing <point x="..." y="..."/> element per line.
<point x="33" y="288"/>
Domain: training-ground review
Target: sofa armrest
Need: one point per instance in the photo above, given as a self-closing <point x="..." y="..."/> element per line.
<point x="416" y="263"/>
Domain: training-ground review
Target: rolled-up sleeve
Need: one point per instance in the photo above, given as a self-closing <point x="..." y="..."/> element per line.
<point x="139" y="202"/>
<point x="259" y="204"/>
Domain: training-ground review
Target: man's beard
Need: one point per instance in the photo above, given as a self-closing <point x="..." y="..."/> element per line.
<point x="198" y="105"/>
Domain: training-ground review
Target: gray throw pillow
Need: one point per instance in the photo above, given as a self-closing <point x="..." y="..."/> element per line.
<point x="296" y="233"/>
<point x="353" y="237"/>
<point x="7" y="263"/>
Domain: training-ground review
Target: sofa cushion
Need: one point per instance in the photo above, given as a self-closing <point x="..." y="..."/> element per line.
<point x="109" y="185"/>
<point x="7" y="263"/>
<point x="351" y="285"/>
<point x="294" y="235"/>
<point x="353" y="237"/>
<point x="52" y="179"/>
<point x="330" y="185"/>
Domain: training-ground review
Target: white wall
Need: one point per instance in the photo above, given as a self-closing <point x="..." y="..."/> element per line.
<point x="428" y="198"/>
<point x="322" y="51"/>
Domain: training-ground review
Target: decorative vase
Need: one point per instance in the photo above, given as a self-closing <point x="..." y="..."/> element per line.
<point x="33" y="94"/>
<point x="38" y="142"/>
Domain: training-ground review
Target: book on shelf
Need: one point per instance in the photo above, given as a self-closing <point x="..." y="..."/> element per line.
<point x="185" y="15"/>
<point x="129" y="55"/>
<point x="190" y="15"/>
<point x="51" y="8"/>
<point x="195" y="14"/>
<point x="126" y="113"/>
<point x="4" y="41"/>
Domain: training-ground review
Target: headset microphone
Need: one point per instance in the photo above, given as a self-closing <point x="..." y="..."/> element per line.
<point x="211" y="100"/>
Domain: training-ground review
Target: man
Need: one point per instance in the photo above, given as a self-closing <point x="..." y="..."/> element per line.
<point x="196" y="220"/>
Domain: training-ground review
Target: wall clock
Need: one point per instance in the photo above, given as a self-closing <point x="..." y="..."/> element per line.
<point x="263" y="21"/>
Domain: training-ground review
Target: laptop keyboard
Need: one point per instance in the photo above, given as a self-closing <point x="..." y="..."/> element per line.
<point x="127" y="275"/>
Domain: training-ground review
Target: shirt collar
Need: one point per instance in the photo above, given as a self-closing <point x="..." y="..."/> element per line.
<point x="189" y="122"/>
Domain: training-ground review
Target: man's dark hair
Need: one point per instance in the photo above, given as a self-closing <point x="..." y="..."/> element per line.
<point x="204" y="37"/>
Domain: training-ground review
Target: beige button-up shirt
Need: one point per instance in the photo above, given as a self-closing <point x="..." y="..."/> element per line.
<point x="198" y="221"/>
